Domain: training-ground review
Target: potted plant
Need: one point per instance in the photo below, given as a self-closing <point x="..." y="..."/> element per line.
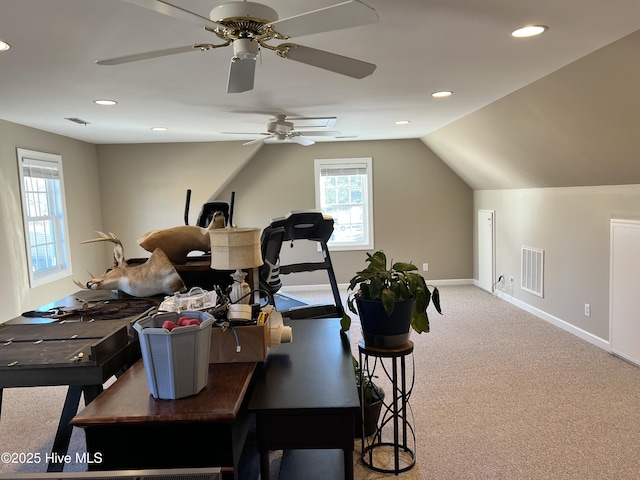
<point x="370" y="402"/>
<point x="391" y="300"/>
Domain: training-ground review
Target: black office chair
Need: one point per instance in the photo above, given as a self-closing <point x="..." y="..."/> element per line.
<point x="208" y="209"/>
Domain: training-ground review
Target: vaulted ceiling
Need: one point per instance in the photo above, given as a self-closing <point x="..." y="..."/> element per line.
<point x="524" y="112"/>
<point x="578" y="126"/>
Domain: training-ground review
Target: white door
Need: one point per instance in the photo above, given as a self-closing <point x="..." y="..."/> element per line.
<point x="624" y="301"/>
<point x="486" y="263"/>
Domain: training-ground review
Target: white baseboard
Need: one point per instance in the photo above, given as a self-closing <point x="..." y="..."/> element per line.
<point x="452" y="281"/>
<point x="578" y="332"/>
<point x="344" y="286"/>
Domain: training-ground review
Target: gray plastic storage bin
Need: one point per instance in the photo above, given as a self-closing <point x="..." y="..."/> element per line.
<point x="176" y="362"/>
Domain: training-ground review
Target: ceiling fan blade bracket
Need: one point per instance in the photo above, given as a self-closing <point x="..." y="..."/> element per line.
<point x="283" y="49"/>
<point x="273" y="34"/>
<point x="203" y="47"/>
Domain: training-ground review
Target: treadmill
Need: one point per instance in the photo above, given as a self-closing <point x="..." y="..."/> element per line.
<point x="309" y="225"/>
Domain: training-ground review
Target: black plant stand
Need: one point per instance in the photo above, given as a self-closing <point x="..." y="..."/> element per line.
<point x="395" y="434"/>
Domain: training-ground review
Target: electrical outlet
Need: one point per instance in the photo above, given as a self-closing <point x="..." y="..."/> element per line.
<point x="511" y="280"/>
<point x="425" y="267"/>
<point x="587" y="310"/>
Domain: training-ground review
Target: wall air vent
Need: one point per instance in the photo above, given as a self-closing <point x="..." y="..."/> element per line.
<point x="532" y="271"/>
<point x="77" y="120"/>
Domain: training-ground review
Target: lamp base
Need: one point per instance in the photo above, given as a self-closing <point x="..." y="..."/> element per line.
<point x="239" y="290"/>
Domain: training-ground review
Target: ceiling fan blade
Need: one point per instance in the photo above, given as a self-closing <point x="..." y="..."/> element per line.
<point x="253" y="142"/>
<point x="321" y="133"/>
<point x="244" y="133"/>
<point x="330" y="61"/>
<point x="147" y="55"/>
<point x="305" y="142"/>
<point x="166" y="8"/>
<point x="241" y="75"/>
<point x="343" y="15"/>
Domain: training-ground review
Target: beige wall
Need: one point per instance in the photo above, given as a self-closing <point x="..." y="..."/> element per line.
<point x="571" y="225"/>
<point x="423" y="212"/>
<point x="83" y="208"/>
<point x="144" y="186"/>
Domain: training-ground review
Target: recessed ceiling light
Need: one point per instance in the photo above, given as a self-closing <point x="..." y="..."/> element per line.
<point x="442" y="94"/>
<point x="403" y="122"/>
<point x="105" y="102"/>
<point x="4" y="45"/>
<point x="159" y="129"/>
<point x="528" y="31"/>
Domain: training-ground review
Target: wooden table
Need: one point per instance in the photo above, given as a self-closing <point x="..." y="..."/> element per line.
<point x="74" y="351"/>
<point x="306" y="398"/>
<point x="129" y="429"/>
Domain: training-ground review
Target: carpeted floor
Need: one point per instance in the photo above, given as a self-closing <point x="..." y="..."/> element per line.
<point x="499" y="394"/>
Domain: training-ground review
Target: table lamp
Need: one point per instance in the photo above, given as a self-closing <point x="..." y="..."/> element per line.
<point x="236" y="248"/>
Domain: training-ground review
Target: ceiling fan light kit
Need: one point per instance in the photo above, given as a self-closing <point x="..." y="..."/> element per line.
<point x="245" y="49"/>
<point x="250" y="25"/>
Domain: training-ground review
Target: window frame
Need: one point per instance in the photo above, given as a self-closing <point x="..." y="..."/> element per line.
<point x="56" y="216"/>
<point x="349" y="163"/>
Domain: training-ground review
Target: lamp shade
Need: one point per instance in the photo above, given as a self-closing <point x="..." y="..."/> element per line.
<point x="235" y="248"/>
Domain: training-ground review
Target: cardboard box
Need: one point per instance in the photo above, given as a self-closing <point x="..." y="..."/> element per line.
<point x="253" y="341"/>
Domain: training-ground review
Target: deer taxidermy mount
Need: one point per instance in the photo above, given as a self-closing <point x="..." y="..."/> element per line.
<point x="154" y="277"/>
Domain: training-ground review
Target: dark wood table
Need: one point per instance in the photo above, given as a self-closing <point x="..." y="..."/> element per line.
<point x="306" y="397"/>
<point x="130" y="429"/>
<point x="76" y="350"/>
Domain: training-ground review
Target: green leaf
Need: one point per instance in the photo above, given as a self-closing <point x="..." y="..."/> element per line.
<point x="345" y="323"/>
<point x="351" y="305"/>
<point x="420" y="322"/>
<point x="377" y="261"/>
<point x="388" y="300"/>
<point x="404" y="267"/>
<point x="375" y="287"/>
<point x="422" y="299"/>
<point x="435" y="296"/>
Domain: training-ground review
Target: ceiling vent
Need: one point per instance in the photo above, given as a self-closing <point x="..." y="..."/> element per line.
<point x="77" y="120"/>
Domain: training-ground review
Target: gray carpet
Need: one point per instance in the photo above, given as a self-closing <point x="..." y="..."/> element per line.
<point x="499" y="394"/>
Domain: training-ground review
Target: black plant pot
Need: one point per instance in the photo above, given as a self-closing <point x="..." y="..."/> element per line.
<point x="381" y="330"/>
<point x="371" y="415"/>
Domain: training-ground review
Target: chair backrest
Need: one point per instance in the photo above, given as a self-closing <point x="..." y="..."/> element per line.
<point x="208" y="209"/>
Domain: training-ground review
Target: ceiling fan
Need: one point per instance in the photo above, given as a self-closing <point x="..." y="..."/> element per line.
<point x="281" y="130"/>
<point x="247" y="26"/>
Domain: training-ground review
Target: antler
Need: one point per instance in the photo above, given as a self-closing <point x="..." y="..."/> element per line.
<point x="105" y="237"/>
<point x="118" y="249"/>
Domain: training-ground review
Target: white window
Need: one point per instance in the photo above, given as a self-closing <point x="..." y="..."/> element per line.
<point x="44" y="213"/>
<point x="344" y="190"/>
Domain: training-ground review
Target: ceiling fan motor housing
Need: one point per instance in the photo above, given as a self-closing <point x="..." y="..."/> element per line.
<point x="279" y="126"/>
<point x="243" y="10"/>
